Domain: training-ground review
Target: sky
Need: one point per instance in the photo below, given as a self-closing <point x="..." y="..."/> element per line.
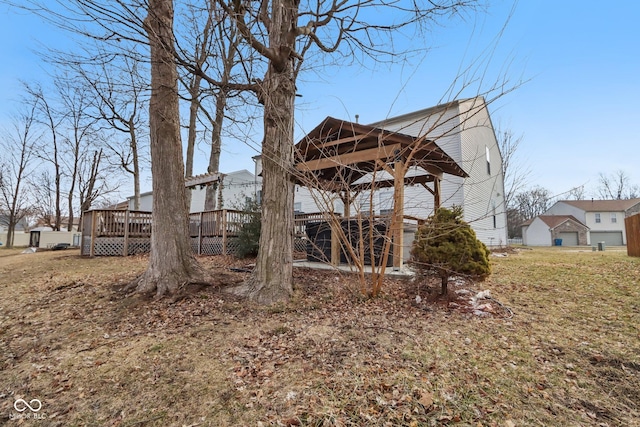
<point x="576" y="110"/>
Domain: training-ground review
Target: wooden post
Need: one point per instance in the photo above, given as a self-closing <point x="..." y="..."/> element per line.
<point x="397" y="223"/>
<point x="436" y="191"/>
<point x="224" y="232"/>
<point x="93" y="234"/>
<point x="200" y="235"/>
<point x="125" y="247"/>
<point x="335" y="244"/>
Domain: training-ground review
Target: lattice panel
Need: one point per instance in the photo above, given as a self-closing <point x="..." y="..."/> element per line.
<point x="108" y="246"/>
<point x="211" y="246"/>
<point x="194" y="244"/>
<point x="299" y="244"/>
<point x="232" y="246"/>
<point x="86" y="246"/>
<point x="139" y="246"/>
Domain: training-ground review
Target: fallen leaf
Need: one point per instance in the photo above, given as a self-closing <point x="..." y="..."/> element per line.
<point x="426" y="398"/>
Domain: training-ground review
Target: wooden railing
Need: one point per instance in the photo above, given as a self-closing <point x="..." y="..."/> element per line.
<point x="121" y="229"/>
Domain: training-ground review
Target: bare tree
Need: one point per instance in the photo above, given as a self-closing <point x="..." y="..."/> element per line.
<point x="617" y="186"/>
<point x="359" y="29"/>
<point x="577" y="193"/>
<point x="50" y="149"/>
<point x="172" y="265"/>
<point x="209" y="80"/>
<point x="93" y="183"/>
<point x="515" y="173"/>
<point x="120" y="99"/>
<point x="43" y="189"/>
<point x="18" y="148"/>
<point x="533" y="202"/>
<point x="79" y="135"/>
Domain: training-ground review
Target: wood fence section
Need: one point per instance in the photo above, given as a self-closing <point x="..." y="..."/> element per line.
<point x="632" y="226"/>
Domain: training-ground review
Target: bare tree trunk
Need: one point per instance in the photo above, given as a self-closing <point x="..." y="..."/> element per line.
<point x="136" y="165"/>
<point x="172" y="265"/>
<point x="272" y="280"/>
<point x="216" y="144"/>
<point x="194" y="92"/>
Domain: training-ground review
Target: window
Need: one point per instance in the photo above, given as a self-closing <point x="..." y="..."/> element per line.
<point x="297" y="207"/>
<point x="486" y="149"/>
<point x="614" y="219"/>
<point x="598" y="218"/>
<point x="259" y="197"/>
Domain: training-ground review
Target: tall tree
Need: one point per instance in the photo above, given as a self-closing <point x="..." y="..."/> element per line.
<point x="50" y="150"/>
<point x="209" y="81"/>
<point x="365" y="28"/>
<point x="18" y="153"/>
<point x="172" y="265"/>
<point x="120" y="99"/>
<point x="78" y="137"/>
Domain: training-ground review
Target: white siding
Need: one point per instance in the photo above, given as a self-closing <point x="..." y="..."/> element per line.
<point x="537" y="234"/>
<point x="561" y="208"/>
<point x="237" y="186"/>
<point x="484" y="204"/>
<point x="464" y="131"/>
<point x="316" y="201"/>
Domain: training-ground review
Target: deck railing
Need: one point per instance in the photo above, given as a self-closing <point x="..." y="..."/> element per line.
<point x="120" y="232"/>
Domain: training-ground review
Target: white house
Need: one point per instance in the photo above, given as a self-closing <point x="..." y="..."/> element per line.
<point x="548" y="230"/>
<point x="463" y="129"/>
<point x="236" y="187"/>
<point x="604" y="218"/>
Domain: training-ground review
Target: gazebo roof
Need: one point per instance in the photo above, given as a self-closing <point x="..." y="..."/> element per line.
<point x="342" y="151"/>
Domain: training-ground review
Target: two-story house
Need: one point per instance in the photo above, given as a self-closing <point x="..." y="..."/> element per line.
<point x="604" y="220"/>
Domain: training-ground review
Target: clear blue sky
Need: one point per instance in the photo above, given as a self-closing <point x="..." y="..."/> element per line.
<point x="578" y="113"/>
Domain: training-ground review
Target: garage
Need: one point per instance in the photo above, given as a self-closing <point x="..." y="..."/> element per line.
<point x="569" y="238"/>
<point x="610" y="238"/>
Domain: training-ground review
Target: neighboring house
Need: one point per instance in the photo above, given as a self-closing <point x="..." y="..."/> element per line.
<point x="603" y="218"/>
<point x="235" y="189"/>
<point x="463" y="129"/>
<point x="547" y="230"/>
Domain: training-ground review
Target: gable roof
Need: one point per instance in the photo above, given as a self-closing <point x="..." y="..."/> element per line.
<point x="426" y="112"/>
<point x="602" y="205"/>
<point x="555" y="220"/>
<point x="337" y="148"/>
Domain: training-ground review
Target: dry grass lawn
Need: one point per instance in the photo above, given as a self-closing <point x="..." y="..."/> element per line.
<point x="569" y="355"/>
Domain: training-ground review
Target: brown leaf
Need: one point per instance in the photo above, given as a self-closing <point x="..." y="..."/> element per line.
<point x="426" y="398"/>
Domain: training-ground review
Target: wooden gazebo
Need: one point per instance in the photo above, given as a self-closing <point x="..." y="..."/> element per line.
<point x="337" y="156"/>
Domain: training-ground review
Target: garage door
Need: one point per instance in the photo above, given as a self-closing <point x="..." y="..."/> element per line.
<point x="569" y="238"/>
<point x="610" y="238"/>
